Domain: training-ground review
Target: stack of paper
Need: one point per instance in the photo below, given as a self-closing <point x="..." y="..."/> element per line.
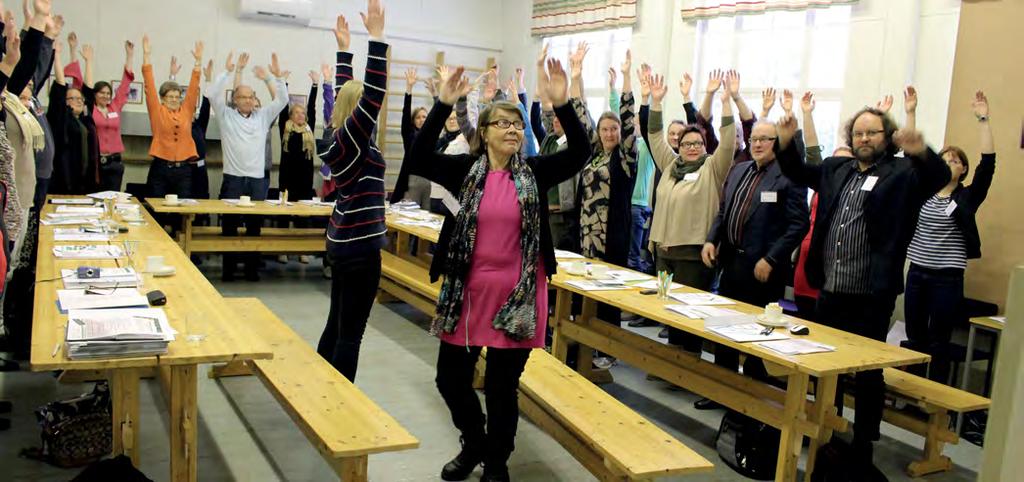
<point x="701" y="299"/>
<point x="117" y="333"/>
<point x="747" y="332"/>
<point x="64" y="219"/>
<point x="93" y="298"/>
<point x="310" y="202"/>
<point x="652" y="284"/>
<point x="628" y="276"/>
<point x="80" y="234"/>
<point x="106" y="195"/>
<point x="80" y="210"/>
<point x="73" y="201"/>
<point x="702" y="312"/>
<point x="563" y="254"/>
<point x="109" y="278"/>
<point x="796" y="346"/>
<point x="590" y="285"/>
<point x="93" y="251"/>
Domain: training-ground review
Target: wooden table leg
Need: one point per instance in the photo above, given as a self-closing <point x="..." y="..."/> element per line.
<point x="563" y="308"/>
<point x="186" y="233"/>
<point x="585" y="355"/>
<point x="402" y="245"/>
<point x="124" y="395"/>
<point x="791" y="438"/>
<point x="183" y="423"/>
<point x="824" y="405"/>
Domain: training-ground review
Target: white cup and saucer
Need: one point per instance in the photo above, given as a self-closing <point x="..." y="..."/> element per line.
<point x="577" y="268"/>
<point x="598" y="271"/>
<point x="171" y="200"/>
<point x="772" y="316"/>
<point x="155" y="266"/>
<point x="245" y="202"/>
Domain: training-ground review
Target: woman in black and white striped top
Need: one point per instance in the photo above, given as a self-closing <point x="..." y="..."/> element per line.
<point x="945" y="238"/>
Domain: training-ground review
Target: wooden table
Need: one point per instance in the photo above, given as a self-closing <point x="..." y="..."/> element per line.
<point x="193" y="307"/>
<point x="985" y="323"/>
<point x="788" y="409"/>
<point x="271" y="240"/>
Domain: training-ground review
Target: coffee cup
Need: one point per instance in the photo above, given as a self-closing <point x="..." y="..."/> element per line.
<point x="154" y="263"/>
<point x="578" y="268"/>
<point x="773" y="312"/>
<point x="599" y="271"/>
<point x="171" y="199"/>
<point x="123" y="197"/>
<point x="244" y="200"/>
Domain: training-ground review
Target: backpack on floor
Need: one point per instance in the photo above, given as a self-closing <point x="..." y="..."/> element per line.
<point x="75" y="432"/>
<point x="750" y="447"/>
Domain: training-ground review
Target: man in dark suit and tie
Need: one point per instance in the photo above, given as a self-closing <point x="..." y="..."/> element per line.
<point x="867" y="208"/>
<point x="761" y="220"/>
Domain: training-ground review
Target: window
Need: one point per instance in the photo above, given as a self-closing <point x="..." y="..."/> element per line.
<point x="800" y="51"/>
<point x="607" y="48"/>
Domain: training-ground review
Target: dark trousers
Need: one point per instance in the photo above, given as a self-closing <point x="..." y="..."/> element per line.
<point x="692" y="273"/>
<point x="738" y="282"/>
<point x="932" y="305"/>
<point x="867" y="316"/>
<point x="200" y="180"/>
<point x="111" y="172"/>
<point x="639" y="257"/>
<point x="354" y="283"/>
<point x="231" y="188"/>
<point x="169" y="178"/>
<point x="455" y="366"/>
<point x="806" y="307"/>
<point x="39" y="198"/>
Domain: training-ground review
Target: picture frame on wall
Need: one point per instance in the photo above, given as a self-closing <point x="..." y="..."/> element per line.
<point x="135" y="91"/>
<point x="299" y="99"/>
<point x="229" y="95"/>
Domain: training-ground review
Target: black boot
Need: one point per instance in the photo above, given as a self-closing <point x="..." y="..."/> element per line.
<point x="463" y="464"/>
<point x="495" y="473"/>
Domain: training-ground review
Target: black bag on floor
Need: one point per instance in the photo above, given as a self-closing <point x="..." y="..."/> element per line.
<point x="75" y="432"/>
<point x="836" y="462"/>
<point x="119" y="468"/>
<point x="750" y="447"/>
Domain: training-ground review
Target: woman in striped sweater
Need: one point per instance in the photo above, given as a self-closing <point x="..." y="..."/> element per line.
<point x="356" y="231"/>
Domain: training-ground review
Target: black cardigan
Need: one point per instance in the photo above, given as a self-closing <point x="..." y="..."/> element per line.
<point x="450" y="172"/>
<point x="968" y="199"/>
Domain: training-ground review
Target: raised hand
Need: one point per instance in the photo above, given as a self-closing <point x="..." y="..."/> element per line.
<point x="911" y="141"/>
<point x="13" y="45"/>
<point x="342" y="34"/>
<point x="129" y="49"/>
<point x="175" y="66"/>
<point x="807" y="102"/>
<point x="410" y="79"/>
<point x="714" y="81"/>
<point x="520" y="79"/>
<point x="431" y="85"/>
<point x="314" y="77"/>
<point x="885" y="104"/>
<point x="454" y="84"/>
<point x="54" y="25"/>
<point x="910" y="99"/>
<point x="327" y="72"/>
<point x="87" y="53"/>
<point x="510" y="86"/>
<point x="490" y="85"/>
<point x="726" y="94"/>
<point x="685" y="85"/>
<point x="197" y="52"/>
<point x="373" y="19"/>
<point x="576" y="60"/>
<point x="444" y="72"/>
<point x="208" y="71"/>
<point x="644" y="75"/>
<point x="260" y="73"/>
<point x="658" y="88"/>
<point x="556" y="88"/>
<point x="543" y="56"/>
<point x="767" y="101"/>
<point x="734" y="82"/>
<point x="147" y="48"/>
<point x="229" y="65"/>
<point x="275" y="66"/>
<point x="979" y="105"/>
<point x="42" y="7"/>
<point x="243" y="60"/>
<point x="627" y="63"/>
<point x="786" y="128"/>
<point x="611" y="77"/>
<point x="787" y="101"/>
<point x="72" y="44"/>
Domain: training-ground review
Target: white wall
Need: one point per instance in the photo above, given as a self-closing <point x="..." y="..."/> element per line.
<point x="892" y="44"/>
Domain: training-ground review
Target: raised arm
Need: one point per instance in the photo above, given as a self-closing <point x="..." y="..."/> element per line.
<point x="714" y="82"/>
<point x="54" y="25"/>
<point x="793" y="167"/>
<point x="127" y="76"/>
<point x="311" y="106"/>
<point x="910" y="105"/>
<point x="148" y="84"/>
<point x="191" y="102"/>
<point x="812" y="148"/>
<point x="744" y="111"/>
<point x="564" y="164"/>
<point x="663" y="154"/>
<point x="722" y="157"/>
<point x="446" y="170"/>
<point x="29" y="49"/>
<point x="986" y="168"/>
<point x="243" y="60"/>
<point x="408" y="129"/>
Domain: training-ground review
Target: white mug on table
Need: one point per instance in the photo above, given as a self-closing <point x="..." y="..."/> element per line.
<point x="244" y="200"/>
<point x="154" y="263"/>
<point x="171" y="199"/>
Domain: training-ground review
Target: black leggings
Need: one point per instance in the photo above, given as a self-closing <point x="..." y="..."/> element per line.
<point x="354" y="283"/>
<point x="455" y="366"/>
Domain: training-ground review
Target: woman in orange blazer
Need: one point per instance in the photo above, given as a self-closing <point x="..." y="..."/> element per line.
<point x="170" y="119"/>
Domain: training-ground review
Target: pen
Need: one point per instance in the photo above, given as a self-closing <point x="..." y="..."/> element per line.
<point x="56" y="348"/>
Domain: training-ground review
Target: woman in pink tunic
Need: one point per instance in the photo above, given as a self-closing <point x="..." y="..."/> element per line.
<point x="495" y="255"/>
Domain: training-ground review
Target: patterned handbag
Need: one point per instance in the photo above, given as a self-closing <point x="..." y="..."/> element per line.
<point x="77" y="431"/>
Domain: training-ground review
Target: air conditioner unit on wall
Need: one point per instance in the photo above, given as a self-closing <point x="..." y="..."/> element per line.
<point x="295" y="12"/>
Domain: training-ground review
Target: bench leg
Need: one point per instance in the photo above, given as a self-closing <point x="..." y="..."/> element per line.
<point x="183" y="423"/>
<point x="824" y="406"/>
<point x="124" y="395"/>
<point x="933" y="460"/>
<point x="351" y="469"/>
<point x="236" y="368"/>
<point x="791" y="437"/>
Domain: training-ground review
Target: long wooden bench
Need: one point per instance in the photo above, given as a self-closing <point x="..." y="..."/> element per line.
<point x="208" y="239"/>
<point x="408" y="282"/>
<point x="608" y="438"/>
<point x="342" y="423"/>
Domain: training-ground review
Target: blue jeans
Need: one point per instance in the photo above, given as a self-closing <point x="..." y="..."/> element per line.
<point x="639" y="258"/>
<point x="932" y="307"/>
<point x="231" y="188"/>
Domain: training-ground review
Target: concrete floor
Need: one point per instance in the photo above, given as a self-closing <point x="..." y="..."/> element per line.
<point x="245" y="436"/>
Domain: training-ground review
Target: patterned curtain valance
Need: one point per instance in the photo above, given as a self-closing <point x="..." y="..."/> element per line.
<point x="562" y="16"/>
<point x="703" y="9"/>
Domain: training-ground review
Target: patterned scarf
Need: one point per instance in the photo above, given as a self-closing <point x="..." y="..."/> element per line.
<point x="681" y="168"/>
<point x="308" y="142"/>
<point x="518" y="316"/>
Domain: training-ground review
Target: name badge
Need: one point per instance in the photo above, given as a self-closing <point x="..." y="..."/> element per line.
<point x="561" y="141"/>
<point x="201" y="163"/>
<point x="769" y="196"/>
<point x="693" y="176"/>
<point x="112" y="115"/>
<point x="869" y="183"/>
<point x="950" y="208"/>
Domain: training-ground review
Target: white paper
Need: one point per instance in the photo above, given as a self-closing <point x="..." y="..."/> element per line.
<point x="69" y="221"/>
<point x="92" y="251"/>
<point x="78" y="234"/>
<point x="277" y="202"/>
<point x="747" y="332"/>
<point x="140" y="323"/>
<point x="628" y="276"/>
<point x="310" y="202"/>
<point x="796" y="346"/>
<point x="769" y="196"/>
<point x="701" y="299"/>
<point x="587" y="285"/>
<point x="701" y="312"/>
<point x="562" y="254"/>
<point x="106" y="195"/>
<point x="1000" y="319"/>
<point x="109" y="278"/>
<point x="107" y="298"/>
<point x="79" y="210"/>
<point x="73" y="201"/>
<point x="652" y="284"/>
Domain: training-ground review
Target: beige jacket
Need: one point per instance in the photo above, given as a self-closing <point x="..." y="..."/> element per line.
<point x="685" y="209"/>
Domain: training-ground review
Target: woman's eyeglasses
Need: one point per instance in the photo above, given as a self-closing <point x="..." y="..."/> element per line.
<point x="505" y="124"/>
